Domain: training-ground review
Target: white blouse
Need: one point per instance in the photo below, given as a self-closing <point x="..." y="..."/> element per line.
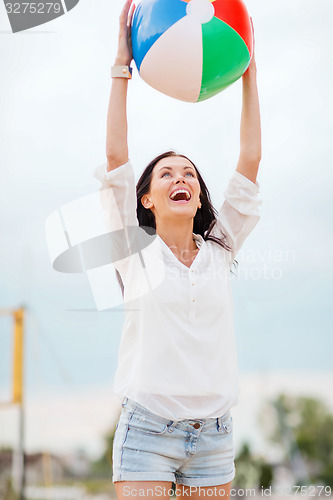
<point x="177" y="355"/>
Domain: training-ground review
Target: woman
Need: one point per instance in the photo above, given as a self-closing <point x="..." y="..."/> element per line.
<point x="177" y="366"/>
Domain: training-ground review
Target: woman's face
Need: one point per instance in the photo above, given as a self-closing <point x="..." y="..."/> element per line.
<point x="169" y="176"/>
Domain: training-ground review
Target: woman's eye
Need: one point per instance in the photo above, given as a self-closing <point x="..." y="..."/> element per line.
<point x="167" y="173"/>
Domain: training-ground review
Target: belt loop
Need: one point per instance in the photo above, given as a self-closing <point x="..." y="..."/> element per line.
<point x="172" y="426"/>
<point x="218" y="423"/>
<point x="124" y="402"/>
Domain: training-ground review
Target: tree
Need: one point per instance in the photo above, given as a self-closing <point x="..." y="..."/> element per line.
<point x="102" y="467"/>
<point x="252" y="472"/>
<point x="304" y="427"/>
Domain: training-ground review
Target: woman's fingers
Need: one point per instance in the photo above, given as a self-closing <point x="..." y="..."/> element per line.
<point x="124" y="38"/>
<point x="124" y="12"/>
<point x="252" y="31"/>
<point x="130" y="15"/>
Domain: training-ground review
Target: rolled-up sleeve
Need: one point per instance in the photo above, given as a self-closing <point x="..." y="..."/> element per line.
<point x="118" y="196"/>
<point x="239" y="213"/>
<point x="118" y="203"/>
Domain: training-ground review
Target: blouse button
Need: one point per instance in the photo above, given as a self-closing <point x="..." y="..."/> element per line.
<point x="192" y="283"/>
<point x="193" y="300"/>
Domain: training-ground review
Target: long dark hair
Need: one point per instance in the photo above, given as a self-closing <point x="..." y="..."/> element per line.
<point x="204" y="219"/>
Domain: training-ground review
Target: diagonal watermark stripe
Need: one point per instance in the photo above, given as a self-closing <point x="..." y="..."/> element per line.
<point x="80" y="242"/>
<point x="24" y="15"/>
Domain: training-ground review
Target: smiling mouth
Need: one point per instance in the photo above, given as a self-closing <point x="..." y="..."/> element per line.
<point x="180" y="196"/>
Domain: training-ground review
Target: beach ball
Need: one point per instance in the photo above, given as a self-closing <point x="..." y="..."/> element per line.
<point x="191" y="50"/>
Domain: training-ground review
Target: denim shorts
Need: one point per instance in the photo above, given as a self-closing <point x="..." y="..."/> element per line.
<point x="148" y="447"/>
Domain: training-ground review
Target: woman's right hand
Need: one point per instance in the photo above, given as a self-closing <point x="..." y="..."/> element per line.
<point x="124" y="54"/>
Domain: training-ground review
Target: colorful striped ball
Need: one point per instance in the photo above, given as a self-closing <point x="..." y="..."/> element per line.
<point x="191" y="50"/>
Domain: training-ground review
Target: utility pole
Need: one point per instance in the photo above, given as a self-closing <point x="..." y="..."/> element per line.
<point x="18" y="466"/>
<point x="18" y="392"/>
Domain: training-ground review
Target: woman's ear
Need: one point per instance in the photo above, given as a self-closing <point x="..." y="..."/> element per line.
<point x="146" y="202"/>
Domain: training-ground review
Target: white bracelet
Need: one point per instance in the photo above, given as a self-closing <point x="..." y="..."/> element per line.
<point x="121" y="72"/>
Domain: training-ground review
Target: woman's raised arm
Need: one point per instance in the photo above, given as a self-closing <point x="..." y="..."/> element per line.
<point x="116" y="139"/>
<point x="250" y="133"/>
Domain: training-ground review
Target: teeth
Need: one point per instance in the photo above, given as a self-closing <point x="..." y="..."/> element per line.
<point x="180" y="191"/>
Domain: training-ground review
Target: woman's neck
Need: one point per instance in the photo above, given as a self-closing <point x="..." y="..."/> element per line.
<point x="178" y="238"/>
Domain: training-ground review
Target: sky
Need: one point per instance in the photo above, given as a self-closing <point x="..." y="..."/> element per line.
<point x="54" y="92"/>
